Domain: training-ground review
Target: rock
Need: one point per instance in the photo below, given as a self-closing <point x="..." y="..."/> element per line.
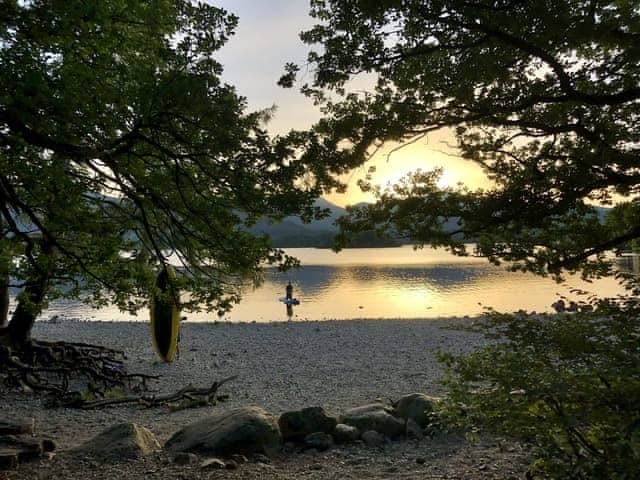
<point x="27" y="444"/>
<point x="298" y="424"/>
<point x="259" y="458"/>
<point x="373" y="438"/>
<point x="345" y="433"/>
<point x="213" y="464"/>
<point x="319" y="440"/>
<point x="185" y="458"/>
<point x="238" y="458"/>
<point x="124" y="440"/>
<point x="21" y="446"/>
<point x="413" y="430"/>
<point x="244" y="430"/>
<point x="375" y="417"/>
<point x="416" y="407"/>
<point x="231" y="465"/>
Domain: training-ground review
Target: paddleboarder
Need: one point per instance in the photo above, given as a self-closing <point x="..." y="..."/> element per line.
<point x="289" y="291"/>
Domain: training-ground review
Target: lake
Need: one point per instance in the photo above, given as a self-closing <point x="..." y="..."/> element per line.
<point x="380" y="283"/>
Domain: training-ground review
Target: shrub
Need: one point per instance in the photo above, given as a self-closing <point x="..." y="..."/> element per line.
<point x="568" y="385"/>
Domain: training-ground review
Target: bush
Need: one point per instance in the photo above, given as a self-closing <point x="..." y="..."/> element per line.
<point x="568" y="385"/>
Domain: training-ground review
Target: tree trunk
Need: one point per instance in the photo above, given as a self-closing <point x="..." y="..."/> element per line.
<point x="27" y="310"/>
<point x="4" y="281"/>
<point x="32" y="299"/>
<point x="4" y="295"/>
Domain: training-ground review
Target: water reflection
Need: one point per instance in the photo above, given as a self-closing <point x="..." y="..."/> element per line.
<point x="382" y="283"/>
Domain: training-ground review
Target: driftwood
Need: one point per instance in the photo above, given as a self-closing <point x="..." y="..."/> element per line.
<point x="17" y="444"/>
<point x="186" y="397"/>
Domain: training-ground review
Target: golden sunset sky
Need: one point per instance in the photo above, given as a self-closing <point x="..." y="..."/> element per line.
<point x="253" y="60"/>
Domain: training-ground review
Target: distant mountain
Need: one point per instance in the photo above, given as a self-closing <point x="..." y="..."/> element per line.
<point x="293" y="232"/>
<point x="325" y="224"/>
<point x="289" y="233"/>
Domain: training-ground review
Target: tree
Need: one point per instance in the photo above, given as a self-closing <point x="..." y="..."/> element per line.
<point x="547" y="106"/>
<point x="121" y="148"/>
<point x="545" y="96"/>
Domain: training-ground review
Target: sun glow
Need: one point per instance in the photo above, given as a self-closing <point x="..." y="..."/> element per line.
<point x="393" y="162"/>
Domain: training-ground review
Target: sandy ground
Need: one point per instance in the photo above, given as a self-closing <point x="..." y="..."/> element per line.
<point x="280" y="367"/>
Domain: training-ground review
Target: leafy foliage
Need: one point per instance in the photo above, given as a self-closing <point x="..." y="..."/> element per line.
<point x="566" y="384"/>
<point x="122" y="149"/>
<point x="545" y="97"/>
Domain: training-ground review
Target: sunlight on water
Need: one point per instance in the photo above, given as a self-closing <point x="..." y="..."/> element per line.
<point x="381" y="283"/>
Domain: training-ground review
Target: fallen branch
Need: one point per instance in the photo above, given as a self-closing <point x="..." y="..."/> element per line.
<point x="18" y="444"/>
<point x="193" y="395"/>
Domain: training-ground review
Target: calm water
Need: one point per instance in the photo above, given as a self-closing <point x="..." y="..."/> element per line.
<point x="380" y="283"/>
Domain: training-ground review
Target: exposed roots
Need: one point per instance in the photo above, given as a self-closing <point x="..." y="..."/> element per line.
<point x="88" y="376"/>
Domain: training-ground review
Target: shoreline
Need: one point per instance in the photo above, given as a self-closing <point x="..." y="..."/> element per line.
<point x="55" y="319"/>
<point x="280" y="366"/>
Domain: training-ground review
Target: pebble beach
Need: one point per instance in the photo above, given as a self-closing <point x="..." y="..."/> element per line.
<point x="280" y="367"/>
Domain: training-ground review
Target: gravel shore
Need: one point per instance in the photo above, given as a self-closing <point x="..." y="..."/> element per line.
<point x="280" y="367"/>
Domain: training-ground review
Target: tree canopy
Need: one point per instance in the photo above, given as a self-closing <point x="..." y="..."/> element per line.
<point x="122" y="150"/>
<point x="545" y="96"/>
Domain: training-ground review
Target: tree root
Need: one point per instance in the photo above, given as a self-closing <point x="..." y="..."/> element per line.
<point x="52" y="367"/>
<point x="89" y="376"/>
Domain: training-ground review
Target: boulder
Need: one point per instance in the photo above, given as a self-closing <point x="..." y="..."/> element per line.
<point x="416" y="407"/>
<point x="373" y="438"/>
<point x="18" y="444"/>
<point x="413" y="430"/>
<point x="345" y="433"/>
<point x="375" y="417"/>
<point x="319" y="440"/>
<point x="124" y="440"/>
<point x="244" y="430"/>
<point x="298" y="424"/>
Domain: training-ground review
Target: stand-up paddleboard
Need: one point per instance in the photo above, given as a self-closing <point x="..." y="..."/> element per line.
<point x="289" y="301"/>
<point x="165" y="317"/>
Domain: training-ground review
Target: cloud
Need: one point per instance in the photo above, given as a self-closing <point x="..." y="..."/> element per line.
<point x="253" y="59"/>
